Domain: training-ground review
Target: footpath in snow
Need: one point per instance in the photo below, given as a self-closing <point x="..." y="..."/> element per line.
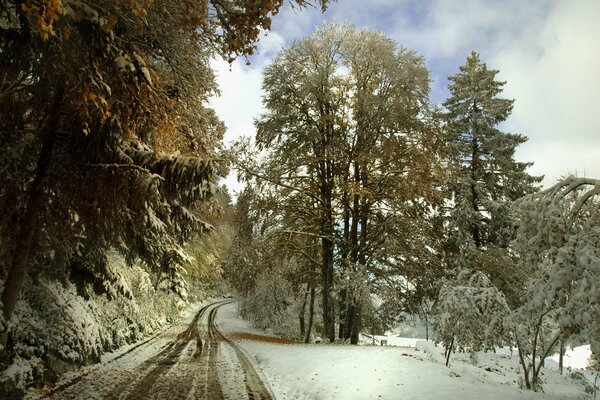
<point x="323" y="371"/>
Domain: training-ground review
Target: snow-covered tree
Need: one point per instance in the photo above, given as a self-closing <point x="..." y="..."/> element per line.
<point x="109" y="139"/>
<point x="486" y="177"/>
<point x="551" y="281"/>
<point x="470" y="314"/>
<point x="348" y="126"/>
<point x="558" y="244"/>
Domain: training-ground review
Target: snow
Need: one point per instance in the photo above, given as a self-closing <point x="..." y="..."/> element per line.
<point x="409" y="369"/>
<point x="20" y="372"/>
<point x="576" y="358"/>
<point x="117" y="369"/>
<point x="325" y="371"/>
<point x="395" y="341"/>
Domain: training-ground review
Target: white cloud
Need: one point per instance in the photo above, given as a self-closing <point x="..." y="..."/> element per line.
<point x="557" y="91"/>
<point x="240" y="100"/>
<point x="546" y="50"/>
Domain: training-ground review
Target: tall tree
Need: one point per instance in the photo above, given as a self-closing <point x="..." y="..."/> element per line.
<point x="347" y="125"/>
<point x="487" y="177"/>
<point x="485" y="180"/>
<point x="304" y="101"/>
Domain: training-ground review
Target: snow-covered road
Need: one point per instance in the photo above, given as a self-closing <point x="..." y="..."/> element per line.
<point x="212" y="353"/>
<point x="190" y="360"/>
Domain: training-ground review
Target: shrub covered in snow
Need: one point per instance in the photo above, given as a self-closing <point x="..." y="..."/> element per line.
<point x="276" y="304"/>
<point x="558" y="241"/>
<point x="470" y="313"/>
<point x="557" y="250"/>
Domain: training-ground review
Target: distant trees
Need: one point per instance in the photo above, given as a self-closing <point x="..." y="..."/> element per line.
<point x="351" y="149"/>
<point x="273" y="265"/>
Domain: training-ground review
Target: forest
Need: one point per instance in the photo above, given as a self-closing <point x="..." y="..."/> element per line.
<point x="365" y="204"/>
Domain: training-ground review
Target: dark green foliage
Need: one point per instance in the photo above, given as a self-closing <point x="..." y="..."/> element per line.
<point x="486" y="176"/>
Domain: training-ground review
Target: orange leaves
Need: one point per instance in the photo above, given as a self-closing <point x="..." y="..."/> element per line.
<point x="43" y="15"/>
<point x="93" y="104"/>
<point x="109" y="22"/>
<point x="139" y="8"/>
<point x="165" y="136"/>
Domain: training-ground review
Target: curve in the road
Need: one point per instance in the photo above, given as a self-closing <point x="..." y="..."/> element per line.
<point x="191" y="365"/>
<point x="255" y="386"/>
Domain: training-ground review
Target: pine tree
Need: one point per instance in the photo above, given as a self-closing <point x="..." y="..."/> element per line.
<point x="487" y="176"/>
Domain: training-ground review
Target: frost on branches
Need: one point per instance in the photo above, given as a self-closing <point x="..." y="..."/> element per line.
<point x="558" y="241"/>
<point x="557" y="296"/>
<point x="470" y="314"/>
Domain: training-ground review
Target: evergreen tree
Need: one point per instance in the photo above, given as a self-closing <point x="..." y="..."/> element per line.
<point x="487" y="177"/>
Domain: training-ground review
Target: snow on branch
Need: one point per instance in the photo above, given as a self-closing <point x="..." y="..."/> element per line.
<point x="558" y="240"/>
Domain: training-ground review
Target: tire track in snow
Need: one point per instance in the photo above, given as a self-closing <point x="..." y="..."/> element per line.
<point x="160" y="365"/>
<point x="255" y="386"/>
<point x="192" y="365"/>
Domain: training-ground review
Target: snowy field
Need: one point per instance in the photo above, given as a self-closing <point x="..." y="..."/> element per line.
<point x="323" y="371"/>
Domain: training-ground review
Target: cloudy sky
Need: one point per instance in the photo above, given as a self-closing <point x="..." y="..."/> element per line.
<point x="548" y="52"/>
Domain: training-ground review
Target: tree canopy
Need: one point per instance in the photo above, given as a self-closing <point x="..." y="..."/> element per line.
<point x="110" y="142"/>
<point x="352" y="151"/>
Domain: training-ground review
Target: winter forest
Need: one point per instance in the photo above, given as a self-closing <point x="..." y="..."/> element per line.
<point x="373" y="227"/>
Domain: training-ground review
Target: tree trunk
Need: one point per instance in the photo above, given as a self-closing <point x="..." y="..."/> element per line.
<point x="344" y="251"/>
<point x="311" y="313"/>
<point x="356" y="325"/>
<point x="303" y="312"/>
<point x="157" y="280"/>
<point x="536" y="370"/>
<point x="449" y="351"/>
<point x="29" y="223"/>
<point x="524" y="367"/>
<point x="326" y="183"/>
<point x="343" y="309"/>
<point x="361" y="259"/>
<point x="561" y="356"/>
<point x="474" y="196"/>
<point x="327" y="276"/>
<point x="350" y="311"/>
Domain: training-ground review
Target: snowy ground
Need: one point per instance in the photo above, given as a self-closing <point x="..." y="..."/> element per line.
<point x="189" y="360"/>
<point x="297" y="371"/>
<point x="213" y="354"/>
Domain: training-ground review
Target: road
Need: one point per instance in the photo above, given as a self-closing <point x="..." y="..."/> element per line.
<point x="190" y="360"/>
